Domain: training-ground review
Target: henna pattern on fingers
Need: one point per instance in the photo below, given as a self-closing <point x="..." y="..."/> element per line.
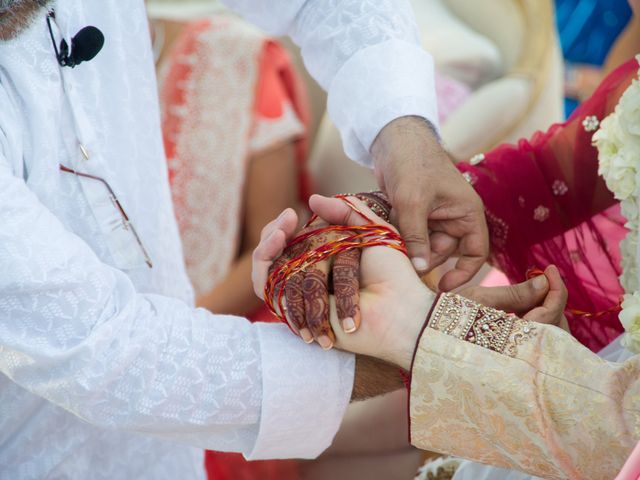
<point x="295" y="301"/>
<point x="307" y="266"/>
<point x="346" y="285"/>
<point x="316" y="302"/>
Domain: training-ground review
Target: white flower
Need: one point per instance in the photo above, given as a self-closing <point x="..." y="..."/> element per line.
<point x="618" y="143"/>
<point x="439" y="467"/>
<point x="630" y="319"/>
<point x="629" y="210"/>
<point x="629" y="110"/>
<point x="621" y="175"/>
<point x="607" y="142"/>
<point x="629" y="279"/>
<point x="628" y="249"/>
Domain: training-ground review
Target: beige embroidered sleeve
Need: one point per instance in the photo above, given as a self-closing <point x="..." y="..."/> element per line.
<point x="497" y="389"/>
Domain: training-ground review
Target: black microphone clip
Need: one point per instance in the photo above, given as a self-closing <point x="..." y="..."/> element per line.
<point x="85" y="45"/>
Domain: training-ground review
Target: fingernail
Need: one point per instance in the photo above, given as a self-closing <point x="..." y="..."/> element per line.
<point x="281" y="216"/>
<point x="420" y="264"/>
<point x="540" y="282"/>
<point x="348" y="325"/>
<point x="306" y="335"/>
<point x="325" y="342"/>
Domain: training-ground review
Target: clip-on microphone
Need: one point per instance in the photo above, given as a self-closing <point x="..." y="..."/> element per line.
<point x="85" y="45"/>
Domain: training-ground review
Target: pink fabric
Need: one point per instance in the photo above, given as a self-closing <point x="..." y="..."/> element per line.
<point x="631" y="469"/>
<point x="495" y="278"/>
<point x="546" y="204"/>
<point x="451" y="94"/>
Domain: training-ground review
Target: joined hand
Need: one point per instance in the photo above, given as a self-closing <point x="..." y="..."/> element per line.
<point x="394" y="303"/>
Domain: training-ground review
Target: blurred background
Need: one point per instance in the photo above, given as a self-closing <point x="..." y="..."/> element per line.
<point x="246" y="131"/>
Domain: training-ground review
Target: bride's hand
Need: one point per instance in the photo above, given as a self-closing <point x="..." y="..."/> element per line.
<point x="307" y="292"/>
<point x="394" y="302"/>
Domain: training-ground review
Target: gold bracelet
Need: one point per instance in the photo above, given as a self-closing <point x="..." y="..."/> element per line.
<point x="376" y="201"/>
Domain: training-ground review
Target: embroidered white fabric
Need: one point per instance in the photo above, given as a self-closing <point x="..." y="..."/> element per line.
<point x="109" y="373"/>
<point x="366" y="53"/>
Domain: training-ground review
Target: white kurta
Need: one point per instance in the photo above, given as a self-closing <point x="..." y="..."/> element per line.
<point x="365" y="53"/>
<point x="106" y="371"/>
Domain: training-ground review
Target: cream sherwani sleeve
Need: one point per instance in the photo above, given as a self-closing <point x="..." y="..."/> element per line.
<point x="500" y="390"/>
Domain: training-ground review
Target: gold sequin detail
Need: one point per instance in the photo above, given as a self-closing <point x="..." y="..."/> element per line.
<point x="484" y="326"/>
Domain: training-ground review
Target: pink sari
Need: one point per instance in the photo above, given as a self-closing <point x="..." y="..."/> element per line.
<point x="546" y="204"/>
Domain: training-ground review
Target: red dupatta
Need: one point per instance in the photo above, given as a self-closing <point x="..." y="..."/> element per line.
<point x="546" y="204"/>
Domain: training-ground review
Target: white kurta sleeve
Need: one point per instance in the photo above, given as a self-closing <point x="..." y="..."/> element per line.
<point x="75" y="331"/>
<point x="365" y="53"/>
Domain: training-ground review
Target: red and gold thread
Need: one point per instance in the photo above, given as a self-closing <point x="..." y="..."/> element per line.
<point x="359" y="236"/>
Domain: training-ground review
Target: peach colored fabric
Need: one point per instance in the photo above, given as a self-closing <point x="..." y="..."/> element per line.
<point x="226" y="92"/>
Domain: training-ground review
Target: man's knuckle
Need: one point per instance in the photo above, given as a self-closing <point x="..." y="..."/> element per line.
<point x="414" y="237"/>
<point x="408" y="199"/>
<point x="515" y="295"/>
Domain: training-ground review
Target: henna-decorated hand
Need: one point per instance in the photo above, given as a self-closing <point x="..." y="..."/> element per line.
<point x="307" y="292"/>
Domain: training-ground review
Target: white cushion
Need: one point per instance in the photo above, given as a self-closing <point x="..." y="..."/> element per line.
<point x="501" y="21"/>
<point x="485" y="115"/>
<point x="458" y="50"/>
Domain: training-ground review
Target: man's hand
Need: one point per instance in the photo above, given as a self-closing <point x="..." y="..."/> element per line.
<point x="541" y="299"/>
<point x="430" y="199"/>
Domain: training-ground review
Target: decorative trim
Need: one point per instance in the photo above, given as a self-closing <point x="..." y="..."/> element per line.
<point x="591" y="123"/>
<point x="483" y="326"/>
<point x="376" y="200"/>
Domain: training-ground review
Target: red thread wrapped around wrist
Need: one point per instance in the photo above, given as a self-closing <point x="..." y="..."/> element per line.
<point x="359" y="236"/>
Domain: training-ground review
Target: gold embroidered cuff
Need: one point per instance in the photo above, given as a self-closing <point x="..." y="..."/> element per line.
<point x="484" y="326"/>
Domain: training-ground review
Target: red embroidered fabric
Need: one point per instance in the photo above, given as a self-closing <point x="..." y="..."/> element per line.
<point x="546" y="204"/>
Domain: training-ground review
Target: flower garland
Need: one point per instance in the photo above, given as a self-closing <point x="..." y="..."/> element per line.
<point x="618" y="143"/>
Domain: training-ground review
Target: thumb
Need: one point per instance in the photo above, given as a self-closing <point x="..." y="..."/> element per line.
<point x="336" y="212"/>
<point x="412" y="223"/>
<point x="521" y="297"/>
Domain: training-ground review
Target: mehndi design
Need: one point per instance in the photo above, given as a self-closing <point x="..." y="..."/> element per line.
<point x="302" y="278"/>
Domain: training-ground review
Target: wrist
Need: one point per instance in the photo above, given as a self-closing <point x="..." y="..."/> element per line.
<point x="374" y="377"/>
<point x="403" y="131"/>
<point x="410" y="325"/>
